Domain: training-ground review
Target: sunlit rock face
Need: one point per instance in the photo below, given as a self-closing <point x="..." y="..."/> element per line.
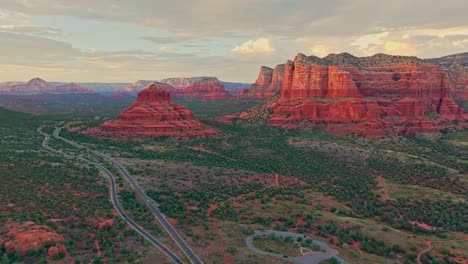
<point x="268" y="82"/>
<point x="370" y="96"/>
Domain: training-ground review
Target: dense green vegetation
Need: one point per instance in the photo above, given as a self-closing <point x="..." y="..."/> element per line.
<point x="437" y="165"/>
<point x="59" y="194"/>
<point x="353" y="234"/>
<point x="263" y="149"/>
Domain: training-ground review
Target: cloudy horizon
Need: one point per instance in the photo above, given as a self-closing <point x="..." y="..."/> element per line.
<point x="109" y="41"/>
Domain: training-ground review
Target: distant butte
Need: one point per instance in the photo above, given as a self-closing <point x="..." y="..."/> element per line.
<point x="153" y="115"/>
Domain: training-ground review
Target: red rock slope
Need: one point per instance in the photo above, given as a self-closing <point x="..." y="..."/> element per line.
<point x="370" y="96"/>
<point x="153" y="115"/>
<point x="28" y="236"/>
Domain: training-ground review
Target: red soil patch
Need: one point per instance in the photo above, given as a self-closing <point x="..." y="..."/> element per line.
<point x="423" y="225"/>
<point x="98" y="249"/>
<point x="27" y="236"/>
<point x="211" y="209"/>
<point x="206" y="251"/>
<point x="429" y="247"/>
<point x="335" y="239"/>
<point x="103" y="223"/>
<point x="356" y="246"/>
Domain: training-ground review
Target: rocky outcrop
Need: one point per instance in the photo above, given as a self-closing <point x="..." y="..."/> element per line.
<point x="53" y="251"/>
<point x="184" y="82"/>
<point x="153" y="115"/>
<point x="457" y="68"/>
<point x="207" y="89"/>
<point x="238" y="92"/>
<point x="373" y="95"/>
<point x="39" y="86"/>
<point x="28" y="236"/>
<point x="268" y="82"/>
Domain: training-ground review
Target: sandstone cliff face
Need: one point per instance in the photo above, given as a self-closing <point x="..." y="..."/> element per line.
<point x="457" y="68"/>
<point x="153" y="115"/>
<point x="370" y="96"/>
<point x="268" y="82"/>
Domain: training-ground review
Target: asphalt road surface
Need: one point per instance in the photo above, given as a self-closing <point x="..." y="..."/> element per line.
<point x="148" y="202"/>
<point x="115" y="201"/>
<point x="309" y="258"/>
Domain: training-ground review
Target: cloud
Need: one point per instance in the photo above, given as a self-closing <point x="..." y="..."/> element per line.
<point x="218" y="38"/>
<point x="16" y="17"/>
<point x="399" y="48"/>
<point x="32" y="29"/>
<point x="257" y="46"/>
<point x="168" y="39"/>
<point x="320" y="50"/>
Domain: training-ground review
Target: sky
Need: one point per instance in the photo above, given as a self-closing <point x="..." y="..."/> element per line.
<point x="125" y="41"/>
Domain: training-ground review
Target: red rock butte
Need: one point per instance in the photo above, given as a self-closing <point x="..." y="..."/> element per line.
<point x="370" y="96"/>
<point x="153" y="115"/>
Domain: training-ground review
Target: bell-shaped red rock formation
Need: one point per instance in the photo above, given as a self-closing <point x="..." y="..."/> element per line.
<point x="370" y="96"/>
<point x="153" y="115"/>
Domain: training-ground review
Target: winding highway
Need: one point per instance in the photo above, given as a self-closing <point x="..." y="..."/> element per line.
<point x="148" y="202"/>
<point x="115" y="201"/>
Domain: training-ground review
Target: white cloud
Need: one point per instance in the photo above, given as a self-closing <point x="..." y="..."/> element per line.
<point x="260" y="45"/>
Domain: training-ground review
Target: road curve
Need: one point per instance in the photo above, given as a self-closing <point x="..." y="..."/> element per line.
<point x="311" y="258"/>
<point x="156" y="212"/>
<point x="115" y="201"/>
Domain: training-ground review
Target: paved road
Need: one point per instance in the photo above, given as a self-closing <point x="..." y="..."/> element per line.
<point x="115" y="201"/>
<point x="310" y="258"/>
<point x="156" y="212"/>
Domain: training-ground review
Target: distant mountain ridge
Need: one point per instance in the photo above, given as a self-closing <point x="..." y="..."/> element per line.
<point x="202" y="87"/>
<point x="39" y="86"/>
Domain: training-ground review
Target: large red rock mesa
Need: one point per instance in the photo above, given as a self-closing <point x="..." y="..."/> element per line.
<point x="370" y="96"/>
<point x="207" y="89"/>
<point x="153" y="115"/>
